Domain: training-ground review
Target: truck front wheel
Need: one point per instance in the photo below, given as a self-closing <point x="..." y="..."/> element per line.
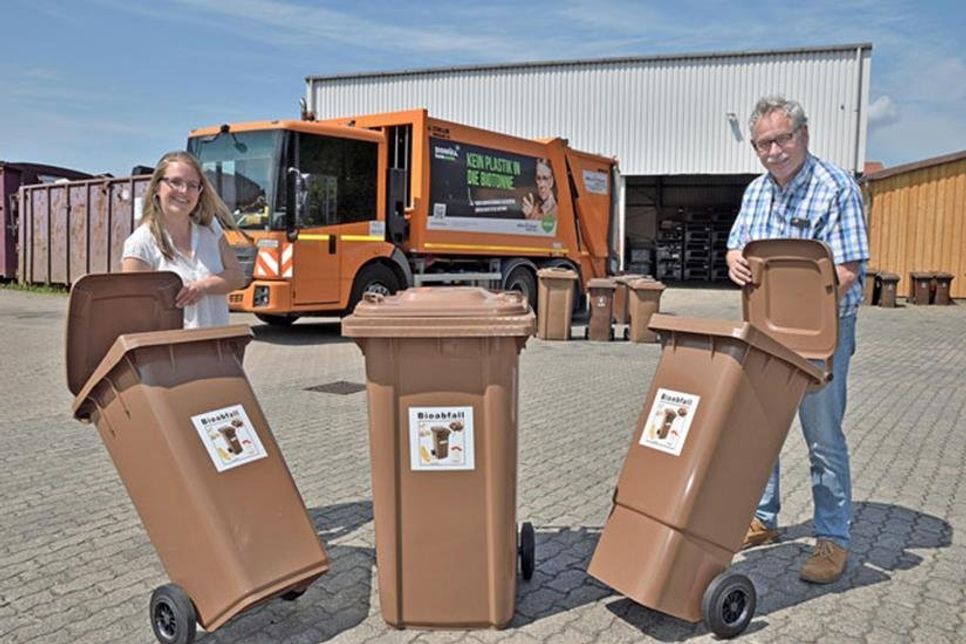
<point x="375" y="278"/>
<point x="523" y="280"/>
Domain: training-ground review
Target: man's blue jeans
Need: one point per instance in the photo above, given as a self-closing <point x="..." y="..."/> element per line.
<point x="821" y="415"/>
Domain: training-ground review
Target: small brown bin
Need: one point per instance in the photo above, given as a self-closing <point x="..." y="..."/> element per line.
<point x="645" y="301"/>
<point x="622" y="297"/>
<point x="942" y="282"/>
<point x="555" y="302"/>
<point x="600" y="327"/>
<point x="192" y="447"/>
<point x="887" y="291"/>
<point x="872" y="287"/>
<point x="920" y="284"/>
<point x="719" y="408"/>
<point x="445" y="358"/>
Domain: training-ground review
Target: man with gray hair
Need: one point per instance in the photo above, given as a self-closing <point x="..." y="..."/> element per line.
<point x="802" y="196"/>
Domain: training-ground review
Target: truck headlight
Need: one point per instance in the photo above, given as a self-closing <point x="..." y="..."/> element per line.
<point x="260" y="297"/>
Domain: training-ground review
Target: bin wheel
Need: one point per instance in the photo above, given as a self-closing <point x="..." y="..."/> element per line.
<point x="587" y="332"/>
<point x="292" y="595"/>
<point x="173" y="616"/>
<point x="610" y="334"/>
<point x="527" y="549"/>
<point x="728" y="604"/>
<point x="627" y="333"/>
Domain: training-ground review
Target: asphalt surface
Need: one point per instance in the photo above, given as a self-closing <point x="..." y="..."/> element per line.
<point x="76" y="565"/>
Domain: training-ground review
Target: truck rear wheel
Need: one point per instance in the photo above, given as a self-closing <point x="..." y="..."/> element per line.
<point x="523" y="280"/>
<point x="277" y="320"/>
<point x="374" y="278"/>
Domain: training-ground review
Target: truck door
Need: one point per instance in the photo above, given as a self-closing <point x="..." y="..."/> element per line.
<point x="340" y="192"/>
<point x="315" y="266"/>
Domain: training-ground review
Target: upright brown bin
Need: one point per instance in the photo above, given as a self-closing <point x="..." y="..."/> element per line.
<point x="644" y="301"/>
<point x="943" y="282"/>
<point x="718" y="411"/>
<point x="920" y="283"/>
<point x="887" y="290"/>
<point x="192" y="447"/>
<point x="600" y="327"/>
<point x="437" y="359"/>
<point x="622" y="297"/>
<point x="555" y="302"/>
<point x="872" y="287"/>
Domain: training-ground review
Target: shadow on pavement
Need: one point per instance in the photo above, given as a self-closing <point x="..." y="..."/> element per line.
<point x="336" y="602"/>
<point x="304" y="332"/>
<point x="883" y="537"/>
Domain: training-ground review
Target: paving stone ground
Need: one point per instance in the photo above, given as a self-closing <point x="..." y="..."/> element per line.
<point x="76" y="565"/>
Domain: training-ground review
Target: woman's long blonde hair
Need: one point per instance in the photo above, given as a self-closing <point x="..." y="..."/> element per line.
<point x="210" y="206"/>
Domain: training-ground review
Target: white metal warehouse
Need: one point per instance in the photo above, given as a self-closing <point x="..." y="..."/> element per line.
<point x="676" y="123"/>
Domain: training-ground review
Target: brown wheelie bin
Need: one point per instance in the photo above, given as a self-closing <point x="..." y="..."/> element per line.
<point x="887" y="290"/>
<point x="600" y="327"/>
<point x="193" y="448"/>
<point x="441" y="375"/>
<point x="644" y="301"/>
<point x="920" y="285"/>
<point x="555" y="302"/>
<point x="622" y="297"/>
<point x="872" y="287"/>
<point x="943" y="282"/>
<point x="718" y="410"/>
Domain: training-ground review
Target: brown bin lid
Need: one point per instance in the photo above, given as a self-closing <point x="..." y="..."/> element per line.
<point x="128" y="342"/>
<point x="627" y="278"/>
<point x="645" y="284"/>
<point x="921" y="275"/>
<point x="105" y="305"/>
<point x="557" y="272"/>
<point x="441" y="311"/>
<point x="744" y="331"/>
<point x="602" y="282"/>
<point x="793" y="295"/>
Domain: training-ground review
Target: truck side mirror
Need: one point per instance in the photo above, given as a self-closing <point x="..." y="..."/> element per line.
<point x="295" y="195"/>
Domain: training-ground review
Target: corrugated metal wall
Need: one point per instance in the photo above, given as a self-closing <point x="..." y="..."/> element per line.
<point x="917" y="222"/>
<point x="658" y="116"/>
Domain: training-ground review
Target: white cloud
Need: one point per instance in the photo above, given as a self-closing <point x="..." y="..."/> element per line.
<point x="883" y="112"/>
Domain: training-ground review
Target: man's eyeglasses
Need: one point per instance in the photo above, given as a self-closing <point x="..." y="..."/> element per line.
<point x="181" y="185"/>
<point x="764" y="145"/>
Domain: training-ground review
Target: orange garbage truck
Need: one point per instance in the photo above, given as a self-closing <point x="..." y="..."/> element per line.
<point x="329" y="210"/>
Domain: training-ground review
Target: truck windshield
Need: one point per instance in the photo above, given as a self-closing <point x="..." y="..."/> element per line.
<point x="243" y="169"/>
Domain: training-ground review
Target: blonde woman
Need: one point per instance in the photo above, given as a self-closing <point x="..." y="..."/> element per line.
<point x="181" y="231"/>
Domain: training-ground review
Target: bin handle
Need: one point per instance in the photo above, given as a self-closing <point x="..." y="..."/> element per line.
<point x="757" y="267"/>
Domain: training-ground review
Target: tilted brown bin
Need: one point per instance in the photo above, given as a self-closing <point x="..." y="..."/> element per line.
<point x="442" y="365"/>
<point x="718" y="410"/>
<point x="555" y="302"/>
<point x="600" y="327"/>
<point x="644" y="301"/>
<point x="190" y="442"/>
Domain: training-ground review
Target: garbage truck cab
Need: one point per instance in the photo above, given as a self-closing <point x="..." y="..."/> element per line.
<point x="329" y="210"/>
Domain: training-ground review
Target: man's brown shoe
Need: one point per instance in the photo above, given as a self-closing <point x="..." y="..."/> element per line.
<point x="826" y="564"/>
<point x="759" y="534"/>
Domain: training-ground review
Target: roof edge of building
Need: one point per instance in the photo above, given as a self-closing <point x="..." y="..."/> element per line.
<point x="592" y="61"/>
<point x="915" y="165"/>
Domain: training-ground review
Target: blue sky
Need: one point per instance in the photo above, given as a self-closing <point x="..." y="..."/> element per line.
<point x="103" y="85"/>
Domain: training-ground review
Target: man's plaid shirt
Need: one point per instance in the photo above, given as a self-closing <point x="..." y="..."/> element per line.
<point x="822" y="202"/>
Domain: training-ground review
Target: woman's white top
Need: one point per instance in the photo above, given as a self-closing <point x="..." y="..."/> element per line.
<point x="204" y="261"/>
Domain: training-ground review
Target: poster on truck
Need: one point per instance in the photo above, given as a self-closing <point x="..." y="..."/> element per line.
<point x="477" y="189"/>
